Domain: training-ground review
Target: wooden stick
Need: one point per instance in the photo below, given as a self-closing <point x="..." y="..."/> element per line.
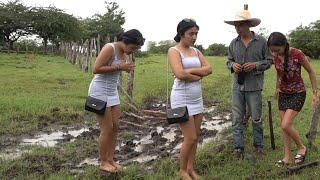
<point x="154" y="118"/>
<point x="154" y="113"/>
<point x="133" y="124"/>
<point x="133" y="115"/>
<point x="133" y="107"/>
<point x="305" y="165"/>
<point x="311" y="135"/>
<point x="271" y="127"/>
<point x="127" y="95"/>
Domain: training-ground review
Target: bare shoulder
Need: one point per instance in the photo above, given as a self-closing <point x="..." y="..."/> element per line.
<point x="172" y="50"/>
<point x="105" y="54"/>
<point x="107" y="48"/>
<point x="198" y="51"/>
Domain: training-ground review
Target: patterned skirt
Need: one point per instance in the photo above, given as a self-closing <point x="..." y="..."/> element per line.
<point x="292" y="101"/>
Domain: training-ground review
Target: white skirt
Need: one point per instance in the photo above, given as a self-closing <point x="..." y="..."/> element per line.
<point x="187" y="94"/>
<point x="105" y="88"/>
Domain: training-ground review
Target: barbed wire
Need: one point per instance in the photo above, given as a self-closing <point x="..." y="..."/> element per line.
<point x="317" y="39"/>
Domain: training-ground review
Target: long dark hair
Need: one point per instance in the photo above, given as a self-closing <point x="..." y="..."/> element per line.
<point x="132" y="36"/>
<point x="183" y="26"/>
<point x="279" y="39"/>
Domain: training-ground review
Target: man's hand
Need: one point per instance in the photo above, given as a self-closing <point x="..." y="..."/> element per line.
<point x="236" y="67"/>
<point x="249" y="66"/>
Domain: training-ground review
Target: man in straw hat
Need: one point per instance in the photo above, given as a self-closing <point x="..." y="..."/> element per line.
<point x="248" y="58"/>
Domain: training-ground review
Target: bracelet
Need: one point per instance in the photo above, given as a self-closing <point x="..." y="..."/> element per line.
<point x="314" y="91"/>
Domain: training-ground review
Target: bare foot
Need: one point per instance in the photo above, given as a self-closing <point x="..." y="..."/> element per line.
<point x="106" y="166"/>
<point x="286" y="160"/>
<point x="194" y="175"/>
<point x="184" y="175"/>
<point x="116" y="165"/>
<point x="302" y="151"/>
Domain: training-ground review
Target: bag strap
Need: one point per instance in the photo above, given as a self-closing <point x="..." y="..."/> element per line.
<point x="196" y="50"/>
<point x="181" y="54"/>
<point x="167" y="77"/>
<point x="114" y="56"/>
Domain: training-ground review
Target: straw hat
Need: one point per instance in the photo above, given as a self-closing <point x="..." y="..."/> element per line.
<point x="244" y="15"/>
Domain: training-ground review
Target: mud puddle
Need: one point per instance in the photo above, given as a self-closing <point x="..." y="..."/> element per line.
<point x="52" y="139"/>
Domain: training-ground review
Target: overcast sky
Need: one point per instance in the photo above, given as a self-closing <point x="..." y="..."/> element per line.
<point x="158" y="19"/>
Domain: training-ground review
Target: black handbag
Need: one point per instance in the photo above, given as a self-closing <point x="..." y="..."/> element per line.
<point x="177" y="115"/>
<point x="95" y="105"/>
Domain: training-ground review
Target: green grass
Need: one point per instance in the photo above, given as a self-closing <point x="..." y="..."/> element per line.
<point x="150" y="80"/>
<point x="39" y="92"/>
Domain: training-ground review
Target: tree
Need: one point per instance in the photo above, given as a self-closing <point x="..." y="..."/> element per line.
<point x="263" y="32"/>
<point x="89" y="27"/>
<point x="52" y="24"/>
<point x="110" y="24"/>
<point x="160" y="47"/>
<point x="70" y="31"/>
<point x="307" y="39"/>
<point x="216" y="50"/>
<point x="199" y="47"/>
<point x="151" y="44"/>
<point x="14" y="21"/>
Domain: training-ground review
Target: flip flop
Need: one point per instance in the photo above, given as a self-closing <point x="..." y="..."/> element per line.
<point x="281" y="163"/>
<point x="300" y="158"/>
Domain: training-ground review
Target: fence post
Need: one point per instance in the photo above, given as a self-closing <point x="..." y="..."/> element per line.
<point x="98" y="44"/>
<point x="26" y="48"/>
<point x="311" y="135"/>
<point x="131" y="59"/>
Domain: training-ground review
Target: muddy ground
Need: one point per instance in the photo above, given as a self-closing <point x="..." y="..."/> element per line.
<point x="152" y="139"/>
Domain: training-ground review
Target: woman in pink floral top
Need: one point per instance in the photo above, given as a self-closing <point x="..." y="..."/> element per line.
<point x="291" y="92"/>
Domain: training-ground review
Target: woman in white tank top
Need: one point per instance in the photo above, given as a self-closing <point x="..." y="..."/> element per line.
<point x="189" y="67"/>
<point x="107" y="68"/>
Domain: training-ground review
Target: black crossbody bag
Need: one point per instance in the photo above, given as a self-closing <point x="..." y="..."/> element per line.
<point x="179" y="114"/>
<point x="95" y="105"/>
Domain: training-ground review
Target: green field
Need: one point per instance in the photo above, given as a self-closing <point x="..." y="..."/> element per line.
<point x="41" y="93"/>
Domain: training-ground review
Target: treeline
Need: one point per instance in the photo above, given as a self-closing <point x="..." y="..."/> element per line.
<point x="163" y="46"/>
<point x="54" y="26"/>
<point x="306" y="38"/>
